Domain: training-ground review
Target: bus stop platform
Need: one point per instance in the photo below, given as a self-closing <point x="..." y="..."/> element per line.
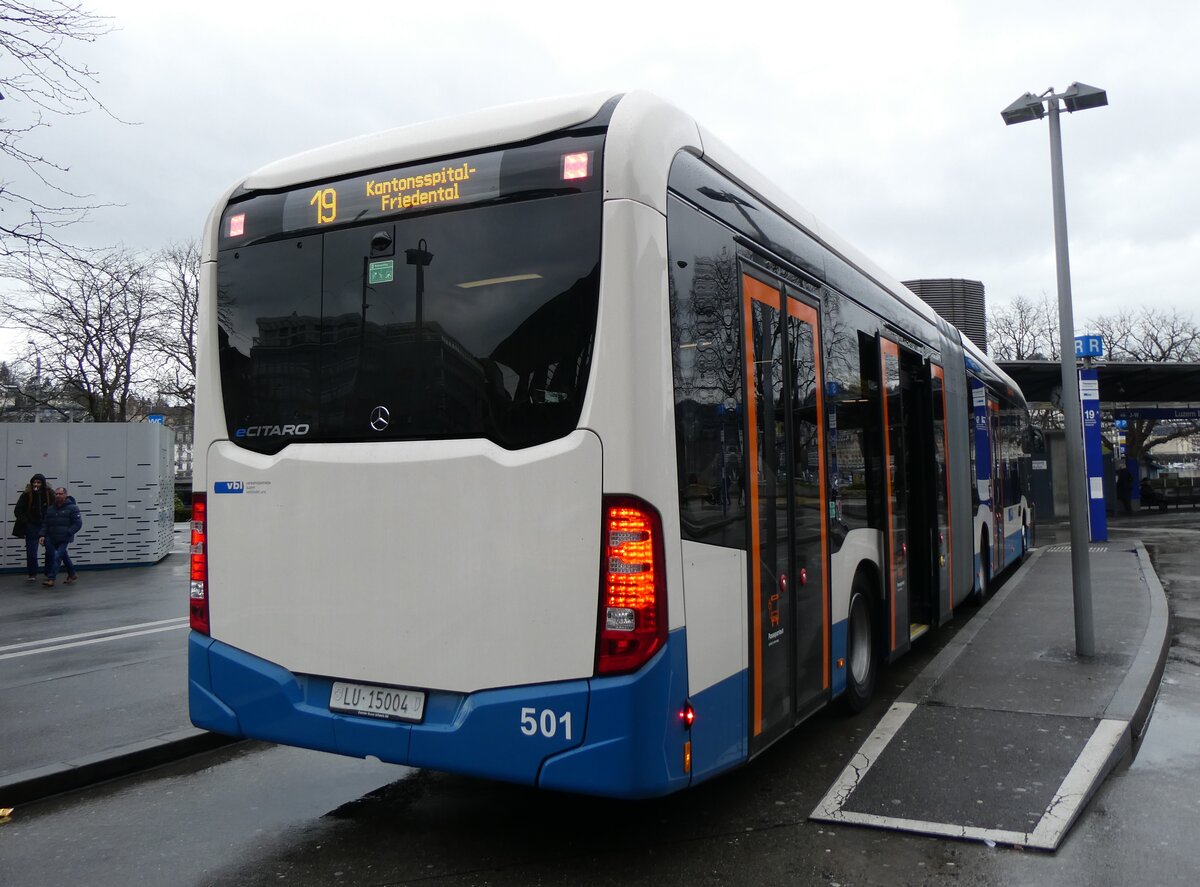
<point x="1007" y="733"/>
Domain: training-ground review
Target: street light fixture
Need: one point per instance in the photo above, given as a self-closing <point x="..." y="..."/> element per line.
<point x="1027" y="107"/>
<point x="1077" y="97"/>
<point x="1080" y="97"/>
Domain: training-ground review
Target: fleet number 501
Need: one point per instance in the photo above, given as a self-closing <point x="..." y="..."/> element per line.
<point x="545" y="722"/>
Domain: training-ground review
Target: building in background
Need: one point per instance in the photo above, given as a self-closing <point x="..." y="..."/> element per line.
<point x="1181" y="454"/>
<point x="962" y="302"/>
<point x="183" y="460"/>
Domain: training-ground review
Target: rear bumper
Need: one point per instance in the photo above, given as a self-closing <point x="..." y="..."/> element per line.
<point x="618" y="736"/>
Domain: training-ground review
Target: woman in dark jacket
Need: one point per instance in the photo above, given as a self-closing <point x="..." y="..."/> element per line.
<point x="30" y="513"/>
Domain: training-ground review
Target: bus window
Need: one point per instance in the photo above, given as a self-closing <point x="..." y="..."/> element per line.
<point x="851" y="422"/>
<point x="706" y="365"/>
<point x="479" y="323"/>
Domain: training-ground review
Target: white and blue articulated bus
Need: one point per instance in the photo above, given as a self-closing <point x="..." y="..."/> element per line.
<point x="553" y="444"/>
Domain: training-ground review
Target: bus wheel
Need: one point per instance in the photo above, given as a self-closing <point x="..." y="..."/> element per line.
<point x="985" y="573"/>
<point x="1024" y="540"/>
<point x="862" y="656"/>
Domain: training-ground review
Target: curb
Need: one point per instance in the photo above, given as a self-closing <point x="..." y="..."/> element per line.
<point x="55" y="779"/>
<point x="1135" y="697"/>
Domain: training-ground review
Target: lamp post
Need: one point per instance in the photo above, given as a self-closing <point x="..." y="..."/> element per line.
<point x="1077" y="97"/>
<point x="37" y="406"/>
<point x="421" y="257"/>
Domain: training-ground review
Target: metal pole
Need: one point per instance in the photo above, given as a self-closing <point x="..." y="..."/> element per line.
<point x="37" y="407"/>
<point x="1081" y="578"/>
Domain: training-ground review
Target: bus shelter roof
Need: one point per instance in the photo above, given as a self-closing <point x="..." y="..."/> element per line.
<point x="1121" y="382"/>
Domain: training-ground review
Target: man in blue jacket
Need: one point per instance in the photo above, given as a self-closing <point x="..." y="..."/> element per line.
<point x="59" y="526"/>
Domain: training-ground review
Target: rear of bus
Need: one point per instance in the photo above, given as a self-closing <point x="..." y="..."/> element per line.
<point x="404" y="545"/>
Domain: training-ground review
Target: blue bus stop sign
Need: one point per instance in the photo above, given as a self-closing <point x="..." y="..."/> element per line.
<point x="1089" y="346"/>
<point x="1089" y="396"/>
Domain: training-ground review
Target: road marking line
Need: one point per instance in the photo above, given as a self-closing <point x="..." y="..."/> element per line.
<point x="95" y="640"/>
<point x="942" y="829"/>
<point x="176" y="620"/>
<point x="830" y="806"/>
<point x="1068" y="800"/>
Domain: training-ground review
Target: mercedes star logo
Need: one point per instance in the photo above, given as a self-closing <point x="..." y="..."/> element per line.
<point x="380" y="417"/>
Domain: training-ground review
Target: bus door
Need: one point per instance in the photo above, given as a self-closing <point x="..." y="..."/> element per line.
<point x="981" y="456"/>
<point x="921" y="468"/>
<point x="997" y="483"/>
<point x="808" y="493"/>
<point x="787" y="499"/>
<point x="909" y="472"/>
<point x="925" y="470"/>
<point x="943" y="547"/>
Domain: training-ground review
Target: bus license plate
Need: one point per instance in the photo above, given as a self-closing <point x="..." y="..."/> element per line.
<point x="377" y="702"/>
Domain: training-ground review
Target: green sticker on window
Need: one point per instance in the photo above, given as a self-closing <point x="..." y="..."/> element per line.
<point x="380" y="272"/>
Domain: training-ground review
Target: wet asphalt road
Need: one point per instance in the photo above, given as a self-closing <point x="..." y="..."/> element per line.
<point x="91" y="666"/>
<point x="256" y="814"/>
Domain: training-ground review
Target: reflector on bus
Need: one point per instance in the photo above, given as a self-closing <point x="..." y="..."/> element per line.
<point x="237" y="225"/>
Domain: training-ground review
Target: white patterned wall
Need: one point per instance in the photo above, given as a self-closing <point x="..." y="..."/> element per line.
<point x="122" y="476"/>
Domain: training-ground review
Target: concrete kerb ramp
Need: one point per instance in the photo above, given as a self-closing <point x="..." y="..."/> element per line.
<point x="1006" y="735"/>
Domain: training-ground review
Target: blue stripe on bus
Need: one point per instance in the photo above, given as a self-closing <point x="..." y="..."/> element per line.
<point x="1012" y="546"/>
<point x="635" y="740"/>
<point x="719" y="734"/>
<point x="839" y="639"/>
<point x="204" y="707"/>
<point x="625" y="736"/>
<point x="481" y="734"/>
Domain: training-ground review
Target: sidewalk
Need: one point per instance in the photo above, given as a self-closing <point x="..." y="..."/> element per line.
<point x="1006" y="734"/>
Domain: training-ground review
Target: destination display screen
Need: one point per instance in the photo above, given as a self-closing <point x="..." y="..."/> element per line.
<point x="566" y="165"/>
<point x="392" y="192"/>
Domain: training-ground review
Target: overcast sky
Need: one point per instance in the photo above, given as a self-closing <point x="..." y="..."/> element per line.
<point x="882" y="118"/>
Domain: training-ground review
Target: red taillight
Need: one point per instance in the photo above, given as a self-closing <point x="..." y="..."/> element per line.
<point x="198" y="591"/>
<point x="633" y="594"/>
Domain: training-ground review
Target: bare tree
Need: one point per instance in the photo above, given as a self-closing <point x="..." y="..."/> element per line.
<point x="87" y="321"/>
<point x="1024" y="329"/>
<point x="172" y="338"/>
<point x="1151" y="335"/>
<point x="37" y="78"/>
<point x="1028" y="330"/>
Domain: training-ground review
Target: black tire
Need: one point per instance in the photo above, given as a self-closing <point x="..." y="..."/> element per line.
<point x="1024" y="540"/>
<point x="985" y="575"/>
<point x="862" y="648"/>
